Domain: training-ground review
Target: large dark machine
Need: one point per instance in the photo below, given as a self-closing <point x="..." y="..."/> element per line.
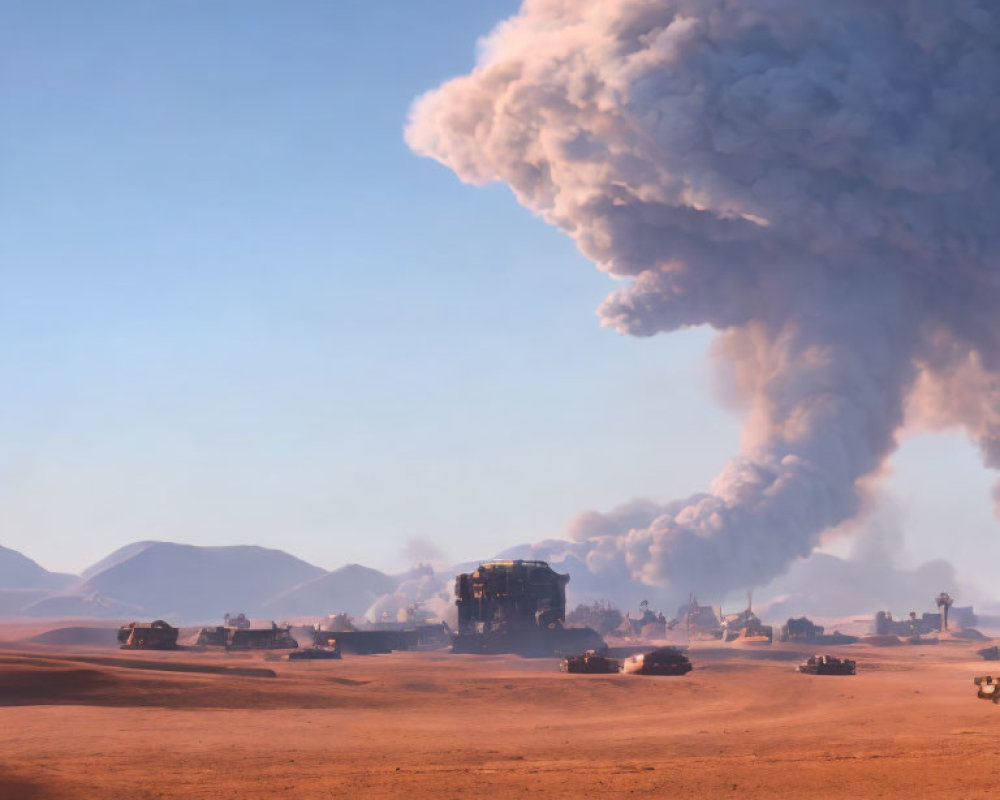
<point x="662" y="661"/>
<point x="517" y="607"/>
<point x="155" y="635"/>
<point x="590" y="663"/>
<point x="244" y="638"/>
<point x="803" y="630"/>
<point x="827" y="665"/>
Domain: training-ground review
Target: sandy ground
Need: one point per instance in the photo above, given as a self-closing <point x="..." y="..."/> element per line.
<point x="91" y="722"/>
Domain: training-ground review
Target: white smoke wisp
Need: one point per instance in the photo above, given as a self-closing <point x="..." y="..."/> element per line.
<point x="815" y="179"/>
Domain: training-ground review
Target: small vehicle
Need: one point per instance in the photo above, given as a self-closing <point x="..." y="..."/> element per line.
<point x="662" y="661"/>
<point x="316" y="652"/>
<point x="827" y="665"/>
<point x="988" y="688"/>
<point x="590" y="663"/>
<point x="155" y="635"/>
<point x="989" y="653"/>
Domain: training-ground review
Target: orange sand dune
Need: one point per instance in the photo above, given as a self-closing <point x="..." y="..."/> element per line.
<point x="99" y="724"/>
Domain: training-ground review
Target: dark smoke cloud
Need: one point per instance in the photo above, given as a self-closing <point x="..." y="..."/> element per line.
<point x="816" y="179"/>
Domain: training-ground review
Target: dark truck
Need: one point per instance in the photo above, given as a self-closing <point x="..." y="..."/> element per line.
<point x="155" y="635"/>
<point x="827" y="665"/>
<point x="590" y="663"/>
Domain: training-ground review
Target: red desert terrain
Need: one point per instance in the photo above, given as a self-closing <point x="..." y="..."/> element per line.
<point x="92" y="722"/>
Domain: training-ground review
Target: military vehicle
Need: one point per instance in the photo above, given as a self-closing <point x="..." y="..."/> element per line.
<point x="803" y="630"/>
<point x="316" y="652"/>
<point x="273" y="638"/>
<point x="362" y="643"/>
<point x="989" y="653"/>
<point x="241" y="638"/>
<point x="988" y="688"/>
<point x="591" y="663"/>
<point x="827" y="665"/>
<point x="517" y="607"/>
<point x="155" y="635"/>
<point x="663" y="661"/>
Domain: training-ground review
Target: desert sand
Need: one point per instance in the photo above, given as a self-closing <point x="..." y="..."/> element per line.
<point x="92" y="722"/>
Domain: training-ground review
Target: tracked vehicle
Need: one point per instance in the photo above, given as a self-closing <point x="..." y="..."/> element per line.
<point x="315" y="653"/>
<point x="155" y="635"/>
<point x="989" y="653"/>
<point x="517" y="607"/>
<point x="590" y="663"/>
<point x="827" y="665"/>
<point x="233" y="638"/>
<point x="663" y="661"/>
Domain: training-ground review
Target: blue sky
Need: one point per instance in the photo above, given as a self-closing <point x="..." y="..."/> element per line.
<point x="236" y="308"/>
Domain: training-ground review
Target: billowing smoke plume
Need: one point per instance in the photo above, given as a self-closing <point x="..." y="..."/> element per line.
<point x="816" y="179"/>
<point x="421" y="550"/>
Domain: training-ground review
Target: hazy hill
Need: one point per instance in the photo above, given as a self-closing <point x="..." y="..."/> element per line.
<point x="116" y="557"/>
<point x="351" y="589"/>
<point x="182" y="582"/>
<point x="20" y="572"/>
<point x="85" y="604"/>
<point x="825" y="585"/>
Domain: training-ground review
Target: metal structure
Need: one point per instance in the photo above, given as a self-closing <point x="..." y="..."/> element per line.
<point x="155" y="635"/>
<point x="273" y="638"/>
<point x="927" y="622"/>
<point x="516" y="607"/>
<point x="944" y="603"/>
<point x="212" y="637"/>
<point x="827" y="665"/>
<point x="913" y="625"/>
<point x="649" y="623"/>
<point x="746" y="627"/>
<point x="240" y="638"/>
<point x="700" y="622"/>
<point x="236" y="620"/>
<point x="803" y="630"/>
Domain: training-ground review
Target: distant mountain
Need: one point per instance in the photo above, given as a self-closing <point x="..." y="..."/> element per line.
<point x="14" y="601"/>
<point x="20" y="572"/>
<point x="180" y="582"/>
<point x="825" y="585"/>
<point x="116" y="557"/>
<point x="80" y="604"/>
<point x="351" y="589"/>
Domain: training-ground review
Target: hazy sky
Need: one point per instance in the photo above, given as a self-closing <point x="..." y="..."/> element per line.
<point x="237" y="309"/>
